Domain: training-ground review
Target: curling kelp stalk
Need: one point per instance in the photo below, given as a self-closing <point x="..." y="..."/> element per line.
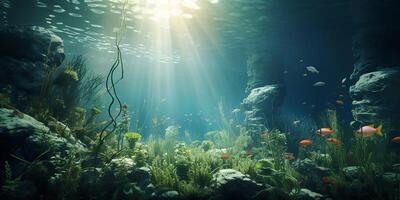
<point x="111" y="82"/>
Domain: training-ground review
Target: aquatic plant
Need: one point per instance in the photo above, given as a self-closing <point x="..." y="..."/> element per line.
<point x="207" y="145"/>
<point x="122" y="127"/>
<point x="171" y="132"/>
<point x="246" y="166"/>
<point x="74" y="86"/>
<point x="140" y="155"/>
<point x="275" y="147"/>
<point x="163" y="174"/>
<point x="132" y="138"/>
<point x="67" y="173"/>
<point x="161" y="148"/>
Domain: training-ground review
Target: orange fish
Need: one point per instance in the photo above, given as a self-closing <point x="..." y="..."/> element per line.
<point x="340" y="102"/>
<point x="225" y="156"/>
<point x="305" y="142"/>
<point x="333" y="141"/>
<point x="289" y="156"/>
<point x="370" y="130"/>
<point x="396" y="139"/>
<point x="326" y="180"/>
<point x="325" y="131"/>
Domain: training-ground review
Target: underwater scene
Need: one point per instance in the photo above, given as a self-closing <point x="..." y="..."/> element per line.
<point x="199" y="99"/>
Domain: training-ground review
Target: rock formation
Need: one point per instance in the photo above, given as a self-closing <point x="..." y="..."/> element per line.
<point x="26" y="53"/>
<point x="265" y="91"/>
<point x="376" y="75"/>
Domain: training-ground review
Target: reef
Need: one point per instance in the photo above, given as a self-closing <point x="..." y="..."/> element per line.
<point x="54" y="146"/>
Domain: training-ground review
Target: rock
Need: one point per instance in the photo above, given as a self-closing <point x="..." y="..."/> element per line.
<point x="264" y="97"/>
<point x="142" y="176"/>
<point x="306" y="194"/>
<point x="261" y="105"/>
<point x="391" y="178"/>
<point x="264" y="68"/>
<point x="375" y="49"/>
<point x="265" y="89"/>
<point x="309" y="167"/>
<point x="32" y="44"/>
<point x="26" y="77"/>
<point x="272" y="193"/>
<point x="375" y="98"/>
<point x="233" y="184"/>
<point x="165" y="194"/>
<point x="352" y="172"/>
<point x="121" y="167"/>
<point x="29" y="138"/>
<point x="26" y="55"/>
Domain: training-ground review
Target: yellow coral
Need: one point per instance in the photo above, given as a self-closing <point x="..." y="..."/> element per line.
<point x="133" y="136"/>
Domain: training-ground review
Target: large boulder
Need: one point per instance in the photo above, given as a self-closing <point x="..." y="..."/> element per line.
<point x="31" y="43"/>
<point x="376" y="97"/>
<point x="232" y="184"/>
<point x="26" y="55"/>
<point x="27" y="138"/>
<point x="262" y="105"/>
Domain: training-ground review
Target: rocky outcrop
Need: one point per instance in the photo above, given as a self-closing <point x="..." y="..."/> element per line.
<point x="376" y="97"/>
<point x="262" y="103"/>
<point x="234" y="185"/>
<point x="26" y="54"/>
<point x="376" y="78"/>
<point x="23" y="136"/>
<point x="265" y="91"/>
<point x="263" y="69"/>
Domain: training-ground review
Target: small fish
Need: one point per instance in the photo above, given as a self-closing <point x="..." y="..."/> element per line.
<point x="325" y="131"/>
<point x="296" y="123"/>
<point x="225" y="156"/>
<point x="396" y="139"/>
<point x="304" y="103"/>
<point x="370" y="130"/>
<point x="305" y="75"/>
<point x="285" y="72"/>
<point x="340" y="102"/>
<point x="312" y="69"/>
<point x="290" y="156"/>
<point x="236" y="110"/>
<point x="344" y="80"/>
<point x="305" y="142"/>
<point x="319" y="84"/>
<point x="301" y="60"/>
<point x="326" y="180"/>
<point x="333" y="141"/>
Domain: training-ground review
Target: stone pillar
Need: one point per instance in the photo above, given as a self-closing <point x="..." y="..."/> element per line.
<point x="376" y="77"/>
<point x="265" y="89"/>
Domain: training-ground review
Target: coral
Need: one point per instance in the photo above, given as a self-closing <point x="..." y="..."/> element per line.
<point x="132" y="138"/>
